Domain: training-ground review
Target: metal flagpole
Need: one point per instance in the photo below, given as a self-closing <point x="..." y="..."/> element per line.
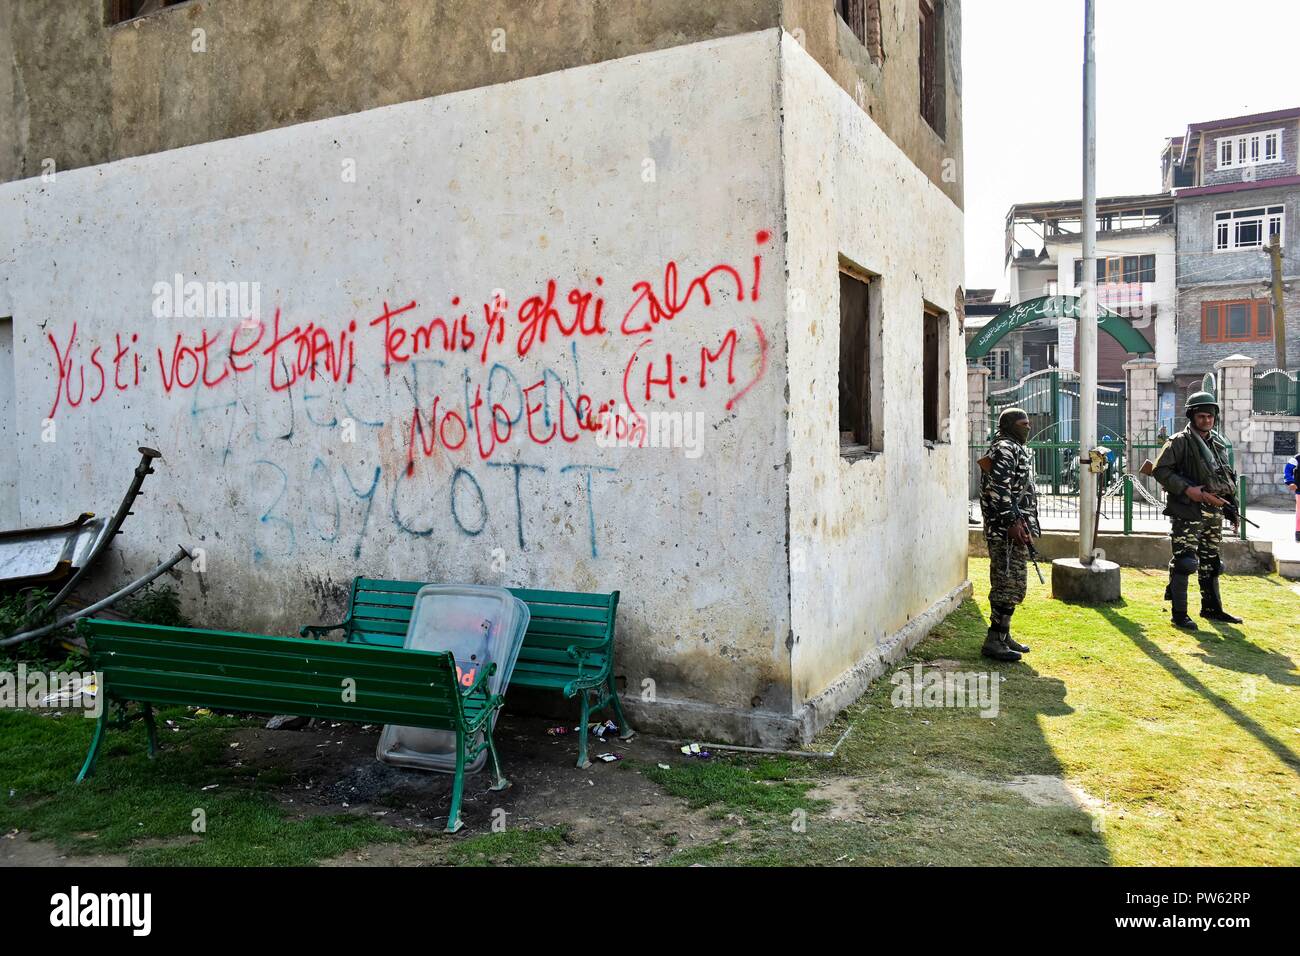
<point x="1088" y="297"/>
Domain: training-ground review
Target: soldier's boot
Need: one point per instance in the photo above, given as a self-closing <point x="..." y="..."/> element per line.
<point x="1001" y="620"/>
<point x="1177" y="591"/>
<point x="1212" y="603"/>
<point x="995" y="643"/>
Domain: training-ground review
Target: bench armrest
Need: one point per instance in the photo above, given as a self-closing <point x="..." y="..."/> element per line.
<point x="317" y="630"/>
<point x="593" y="678"/>
<point x="491" y="701"/>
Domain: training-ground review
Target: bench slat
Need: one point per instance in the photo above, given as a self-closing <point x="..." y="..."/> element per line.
<point x="534" y="595"/>
<point x="376" y="612"/>
<point x="382" y="584"/>
<point x="377" y="640"/>
<point x="238" y="639"/>
<point x="269" y="705"/>
<point x="261" y="673"/>
<point x="564" y="612"/>
<point x="586" y="629"/>
<point x="258" y="695"/>
<point x="304" y="656"/>
<point x="383" y="599"/>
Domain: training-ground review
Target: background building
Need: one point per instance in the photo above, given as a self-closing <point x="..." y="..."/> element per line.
<point x="1237" y="183"/>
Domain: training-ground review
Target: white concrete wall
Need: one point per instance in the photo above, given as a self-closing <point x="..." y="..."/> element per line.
<point x="878" y="543"/>
<point x="596" y="178"/>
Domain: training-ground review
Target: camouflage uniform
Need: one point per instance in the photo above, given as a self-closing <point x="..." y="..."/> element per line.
<point x="1196" y="529"/>
<point x="1010" y="478"/>
<point x="1200" y="536"/>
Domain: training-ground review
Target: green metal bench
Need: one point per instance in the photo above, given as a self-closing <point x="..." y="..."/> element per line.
<point x="149" y="664"/>
<point x="569" y="646"/>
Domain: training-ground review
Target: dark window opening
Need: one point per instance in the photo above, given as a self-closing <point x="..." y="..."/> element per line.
<point x="863" y="18"/>
<point x="934" y="376"/>
<point x="122" y="10"/>
<point x="930" y="61"/>
<point x="855" y="361"/>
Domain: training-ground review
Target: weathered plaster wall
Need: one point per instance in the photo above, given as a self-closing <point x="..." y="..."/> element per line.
<point x="466" y="204"/>
<point x="878" y="543"/>
<point x="79" y="92"/>
<point x="96" y="93"/>
<point x="890" y="89"/>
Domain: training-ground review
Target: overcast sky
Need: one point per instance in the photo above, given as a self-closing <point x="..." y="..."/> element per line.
<point x="1161" y="64"/>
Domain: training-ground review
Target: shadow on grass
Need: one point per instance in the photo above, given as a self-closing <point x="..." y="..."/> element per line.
<point x="1227" y="648"/>
<point x="1134" y="631"/>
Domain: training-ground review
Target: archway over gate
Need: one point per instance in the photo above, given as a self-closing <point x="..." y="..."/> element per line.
<point x="1055" y="307"/>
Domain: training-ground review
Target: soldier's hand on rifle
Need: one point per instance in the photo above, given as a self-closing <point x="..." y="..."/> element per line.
<point x="1200" y="496"/>
<point x="1020" y="533"/>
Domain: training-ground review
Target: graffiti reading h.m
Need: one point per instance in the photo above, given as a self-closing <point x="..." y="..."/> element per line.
<point x="469" y="399"/>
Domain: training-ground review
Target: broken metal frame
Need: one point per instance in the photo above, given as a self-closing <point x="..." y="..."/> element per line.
<point x="114" y="528"/>
<point x="181" y="553"/>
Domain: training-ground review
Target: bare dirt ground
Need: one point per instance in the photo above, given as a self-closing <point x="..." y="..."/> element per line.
<point x="608" y="814"/>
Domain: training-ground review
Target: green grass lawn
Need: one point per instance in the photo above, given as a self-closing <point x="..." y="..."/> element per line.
<point x="131" y="806"/>
<point x="1175" y="748"/>
<point x="1118" y="741"/>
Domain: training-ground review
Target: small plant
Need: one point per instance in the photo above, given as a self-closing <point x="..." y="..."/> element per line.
<point x="22" y="612"/>
<point x="19" y="612"/>
<point x="154" y="604"/>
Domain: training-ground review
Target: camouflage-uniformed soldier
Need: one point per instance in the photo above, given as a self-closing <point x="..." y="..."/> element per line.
<point x="1193" y="468"/>
<point x="1009" y="503"/>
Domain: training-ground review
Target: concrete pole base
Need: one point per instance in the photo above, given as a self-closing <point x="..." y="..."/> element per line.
<point x="1081" y="583"/>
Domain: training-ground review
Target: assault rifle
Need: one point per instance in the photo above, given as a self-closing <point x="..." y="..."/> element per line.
<point x="1033" y="552"/>
<point x="985" y="464"/>
<point x="1229" y="505"/>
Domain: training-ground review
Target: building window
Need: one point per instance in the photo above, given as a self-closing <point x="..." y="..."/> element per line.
<point x="859" y="378"/>
<point x="935" y="375"/>
<point x="930" y="60"/>
<point x="998" y="361"/>
<point x="1120" y="269"/>
<point x="863" y="18"/>
<point x="1249" y="149"/>
<point x="1240" y="320"/>
<point x="1248" y="228"/>
<point x="122" y="10"/>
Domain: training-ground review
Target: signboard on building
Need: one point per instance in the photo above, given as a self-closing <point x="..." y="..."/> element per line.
<point x="1065" y="343"/>
<point x="1284" y="444"/>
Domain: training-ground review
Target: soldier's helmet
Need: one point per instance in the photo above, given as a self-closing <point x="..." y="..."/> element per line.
<point x="1199" y="401"/>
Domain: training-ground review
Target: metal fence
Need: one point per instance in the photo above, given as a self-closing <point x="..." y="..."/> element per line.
<point x="1276" y="393"/>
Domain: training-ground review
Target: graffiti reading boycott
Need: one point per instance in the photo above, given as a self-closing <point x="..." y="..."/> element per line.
<point x="461" y="367"/>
